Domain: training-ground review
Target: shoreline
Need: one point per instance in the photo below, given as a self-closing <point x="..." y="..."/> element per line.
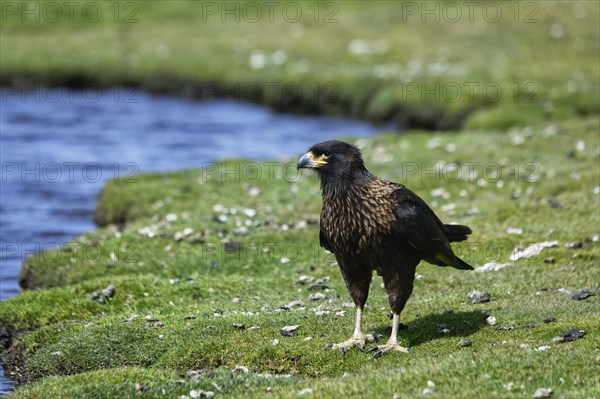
<point x="295" y="98"/>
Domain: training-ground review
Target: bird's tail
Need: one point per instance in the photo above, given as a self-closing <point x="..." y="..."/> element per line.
<point x="450" y="260"/>
<point x="458" y="263"/>
<point x="456" y="232"/>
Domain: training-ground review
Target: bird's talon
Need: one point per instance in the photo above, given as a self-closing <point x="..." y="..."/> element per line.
<point x="373" y="349"/>
<point x="343" y="352"/>
<point x="328" y="346"/>
<point x="377" y="337"/>
<point x="359" y="346"/>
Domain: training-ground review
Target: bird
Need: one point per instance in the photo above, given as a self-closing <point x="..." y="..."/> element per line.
<point x="372" y="224"/>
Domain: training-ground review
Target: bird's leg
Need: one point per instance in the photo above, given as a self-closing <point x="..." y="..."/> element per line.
<point x="358" y="339"/>
<point x="392" y="344"/>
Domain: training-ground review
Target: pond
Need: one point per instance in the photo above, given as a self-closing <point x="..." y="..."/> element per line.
<point x="59" y="146"/>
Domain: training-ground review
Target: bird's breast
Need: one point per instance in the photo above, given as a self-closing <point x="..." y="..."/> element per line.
<point x="356" y="224"/>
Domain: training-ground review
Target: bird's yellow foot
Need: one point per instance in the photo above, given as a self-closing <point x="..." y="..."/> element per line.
<point x="358" y="341"/>
<point x="381" y="349"/>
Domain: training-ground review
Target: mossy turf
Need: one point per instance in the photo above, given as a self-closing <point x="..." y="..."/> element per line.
<point x="209" y="261"/>
<point x="428" y="65"/>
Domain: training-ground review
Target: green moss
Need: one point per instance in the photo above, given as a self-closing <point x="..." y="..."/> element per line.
<point x="197" y="287"/>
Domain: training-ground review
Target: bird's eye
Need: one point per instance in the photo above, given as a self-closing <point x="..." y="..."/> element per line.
<point x="327" y="154"/>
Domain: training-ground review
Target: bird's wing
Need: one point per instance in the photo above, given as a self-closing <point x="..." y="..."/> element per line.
<point x="419" y="226"/>
<point x="323" y="241"/>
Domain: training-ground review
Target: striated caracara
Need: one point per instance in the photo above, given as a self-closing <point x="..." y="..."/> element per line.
<point x="373" y="224"/>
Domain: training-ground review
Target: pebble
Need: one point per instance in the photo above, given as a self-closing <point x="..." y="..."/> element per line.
<point x="529" y="326"/>
<point x="241" y="369"/>
<point x="581" y="295"/>
<point x="443" y="328"/>
<point x="491" y="320"/>
<point x="479" y="297"/>
<point x="195" y="394"/>
<point x="289" y="331"/>
<point x="549" y="319"/>
<point x="541" y="393"/>
<point x="254" y="191"/>
<point x="293" y="304"/>
<point x="465" y="342"/>
<point x="571" y="335"/>
<point x="542" y="348"/>
<point x="102" y="296"/>
<point x="505" y="328"/>
<point x="316" y="287"/>
<point x="249" y="212"/>
<point x="531" y="250"/>
<point x="304" y="280"/>
<point x="306" y="391"/>
<point x="239" y="326"/>
<point x="549" y="260"/>
<point x="492" y="266"/>
<point x="132" y="318"/>
<point x="233" y="246"/>
<point x="189" y="317"/>
<point x="316" y="296"/>
<point x="576" y="244"/>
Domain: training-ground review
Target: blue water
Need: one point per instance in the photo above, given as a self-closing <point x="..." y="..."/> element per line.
<point x="59" y="146"/>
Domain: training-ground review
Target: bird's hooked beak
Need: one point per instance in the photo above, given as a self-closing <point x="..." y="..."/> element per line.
<point x="308" y="160"/>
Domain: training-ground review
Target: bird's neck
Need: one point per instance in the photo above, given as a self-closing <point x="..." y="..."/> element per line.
<point x="345" y="184"/>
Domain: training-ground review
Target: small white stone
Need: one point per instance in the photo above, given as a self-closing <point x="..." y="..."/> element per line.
<point x="514" y="230"/>
<point x="290" y="328"/>
<point x="491" y="320"/>
<point x="541" y="393"/>
<point x="306" y="391"/>
<point x="241" y="369"/>
<point x="171" y="217"/>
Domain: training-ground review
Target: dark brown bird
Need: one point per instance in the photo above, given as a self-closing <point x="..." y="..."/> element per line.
<point x="370" y="224"/>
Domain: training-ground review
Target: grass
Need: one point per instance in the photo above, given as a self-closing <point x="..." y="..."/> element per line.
<point x="199" y="252"/>
<point x="388" y="62"/>
<point x="197" y="287"/>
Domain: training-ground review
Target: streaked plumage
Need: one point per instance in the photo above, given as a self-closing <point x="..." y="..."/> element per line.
<point x="370" y="224"/>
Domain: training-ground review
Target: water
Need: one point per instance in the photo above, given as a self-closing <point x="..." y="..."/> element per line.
<point x="58" y="147"/>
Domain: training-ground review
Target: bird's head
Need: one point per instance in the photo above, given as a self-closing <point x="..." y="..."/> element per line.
<point x="333" y="159"/>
